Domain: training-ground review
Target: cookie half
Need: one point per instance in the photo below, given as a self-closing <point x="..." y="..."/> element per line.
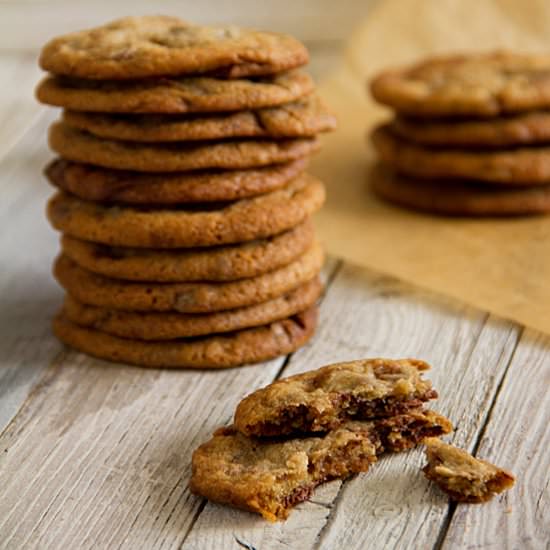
<point x="521" y="166"/>
<point x="173" y="95"/>
<point x="479" y="85"/>
<point x="508" y="131"/>
<point x="233" y="349"/>
<point x="206" y="225"/>
<point x="304" y="118"/>
<point x="146" y="46"/>
<point x="459" y="198"/>
<point x="220" y="263"/>
<point x="199" y="297"/>
<point x="169" y="326"/>
<point x="80" y="146"/>
<point x="93" y="183"/>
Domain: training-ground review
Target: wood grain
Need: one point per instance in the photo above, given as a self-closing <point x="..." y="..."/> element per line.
<point x="517" y="437"/>
<point x="368" y="315"/>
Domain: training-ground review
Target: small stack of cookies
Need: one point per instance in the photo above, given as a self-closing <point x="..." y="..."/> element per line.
<point x="183" y="198"/>
<point x="471" y="135"/>
<point x="324" y="424"/>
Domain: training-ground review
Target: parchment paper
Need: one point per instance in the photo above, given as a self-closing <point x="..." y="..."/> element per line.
<point x="499" y="265"/>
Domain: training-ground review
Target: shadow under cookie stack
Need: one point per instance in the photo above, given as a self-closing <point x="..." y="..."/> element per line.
<point x="183" y="198"/>
<point x="471" y="135"/>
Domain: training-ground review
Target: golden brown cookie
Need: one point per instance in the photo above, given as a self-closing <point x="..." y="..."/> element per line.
<point x="207" y="225"/>
<point x="199" y="297"/>
<point x="271" y="476"/>
<point x="507" y="131"/>
<point x="107" y="185"/>
<point x="170" y="326"/>
<point x="81" y="146"/>
<point x="141" y="47"/>
<point x="463" y="477"/>
<point x="220" y="263"/>
<point x="521" y="166"/>
<point x="459" y="198"/>
<point x="232" y="349"/>
<point x="320" y="400"/>
<point x="172" y="95"/>
<point x="304" y="118"/>
<point x="480" y="85"/>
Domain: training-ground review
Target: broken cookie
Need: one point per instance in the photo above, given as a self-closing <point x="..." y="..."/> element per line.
<point x="463" y="477"/>
<point x="320" y="400"/>
<point x="270" y="476"/>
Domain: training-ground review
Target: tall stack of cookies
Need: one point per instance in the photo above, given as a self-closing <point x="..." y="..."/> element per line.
<point x="183" y="198"/>
<point x="471" y="135"/>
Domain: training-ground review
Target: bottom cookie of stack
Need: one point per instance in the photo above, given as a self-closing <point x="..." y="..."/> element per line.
<point x="231" y="349"/>
<point x="459" y="198"/>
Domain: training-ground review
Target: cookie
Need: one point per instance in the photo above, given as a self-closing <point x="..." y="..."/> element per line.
<point x="232" y="349"/>
<point x="477" y="85"/>
<point x="459" y="198"/>
<point x="223" y="263"/>
<point x="270" y="477"/>
<point x="142" y="47"/>
<point x="206" y="225"/>
<point x="81" y="146"/>
<point x="199" y="297"/>
<point x="463" y="477"/>
<point x="173" y="95"/>
<point x="521" y="166"/>
<point x="322" y="399"/>
<point x="106" y="185"/>
<point x="509" y="131"/>
<point x="303" y="118"/>
<point x="170" y="326"/>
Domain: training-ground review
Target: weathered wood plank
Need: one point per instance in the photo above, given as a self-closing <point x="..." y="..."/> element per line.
<point x="517" y="437"/>
<point x="99" y="456"/>
<point x="19" y="74"/>
<point x="366" y="315"/>
<point x="27" y="246"/>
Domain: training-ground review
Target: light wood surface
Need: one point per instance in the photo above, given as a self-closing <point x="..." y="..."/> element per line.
<point x="98" y="456"/>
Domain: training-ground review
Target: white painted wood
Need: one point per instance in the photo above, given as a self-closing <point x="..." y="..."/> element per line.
<point x="367" y="315"/>
<point x="310" y="20"/>
<point x="517" y="437"/>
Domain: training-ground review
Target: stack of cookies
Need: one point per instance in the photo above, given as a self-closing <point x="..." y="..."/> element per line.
<point x="471" y="135"/>
<point x="298" y="432"/>
<point x="183" y="198"/>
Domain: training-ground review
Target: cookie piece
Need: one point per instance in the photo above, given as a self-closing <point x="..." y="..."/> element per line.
<point x="514" y="130"/>
<point x="480" y="85"/>
<point x="200" y="297"/>
<point x="303" y="118"/>
<point x="463" y="477"/>
<point x="141" y="47"/>
<point x="173" y="95"/>
<point x="521" y="166"/>
<point x="320" y="400"/>
<point x="81" y="146"/>
<point x="270" y="477"/>
<point x="232" y="349"/>
<point x="459" y="198"/>
<point x="170" y="326"/>
<point x="207" y="225"/>
<point x="106" y="185"/>
<point x="223" y="263"/>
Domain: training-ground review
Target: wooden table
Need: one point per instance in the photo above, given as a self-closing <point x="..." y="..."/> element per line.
<point x="98" y="456"/>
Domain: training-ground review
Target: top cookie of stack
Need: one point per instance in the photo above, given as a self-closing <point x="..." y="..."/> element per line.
<point x="471" y="135"/>
<point x="174" y="137"/>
